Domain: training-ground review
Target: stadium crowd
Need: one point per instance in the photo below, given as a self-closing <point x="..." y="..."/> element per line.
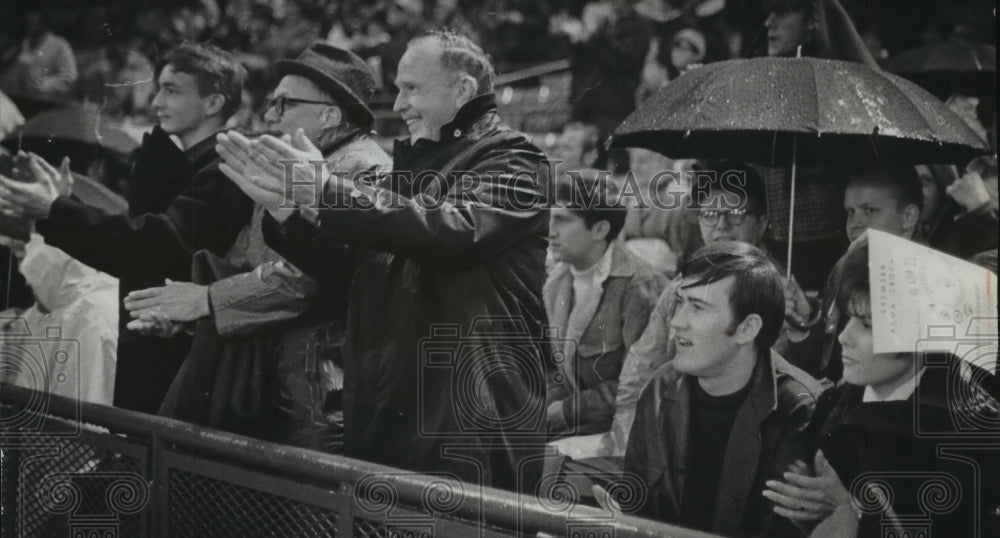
<point x="461" y="297"/>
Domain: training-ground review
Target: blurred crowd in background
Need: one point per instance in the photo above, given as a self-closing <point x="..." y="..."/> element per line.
<point x="116" y="44"/>
<point x="569" y="71"/>
<point x="77" y="86"/>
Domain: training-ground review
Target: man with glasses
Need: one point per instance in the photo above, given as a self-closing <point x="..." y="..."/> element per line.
<point x="242" y="300"/>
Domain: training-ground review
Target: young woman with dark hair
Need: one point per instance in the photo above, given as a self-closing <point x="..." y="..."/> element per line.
<point x="881" y="462"/>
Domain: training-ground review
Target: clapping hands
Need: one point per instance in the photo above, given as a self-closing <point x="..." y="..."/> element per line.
<point x="267" y="169"/>
<point x="36" y="184"/>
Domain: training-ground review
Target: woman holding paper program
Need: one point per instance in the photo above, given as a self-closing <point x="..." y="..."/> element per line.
<point x="883" y="460"/>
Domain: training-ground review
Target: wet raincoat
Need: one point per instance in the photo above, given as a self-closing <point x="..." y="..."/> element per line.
<point x="75" y="311"/>
<point x="444" y="360"/>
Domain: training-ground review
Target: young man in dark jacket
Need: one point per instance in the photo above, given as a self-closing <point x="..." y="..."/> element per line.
<point x="726" y="414"/>
<point x="179" y="202"/>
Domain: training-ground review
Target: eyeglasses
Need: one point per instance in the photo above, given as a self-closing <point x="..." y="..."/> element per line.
<point x="281" y="103"/>
<point x="733" y="216"/>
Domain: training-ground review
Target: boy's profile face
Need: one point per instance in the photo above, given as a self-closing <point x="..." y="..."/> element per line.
<point x="570" y="239"/>
<point x="178" y="104"/>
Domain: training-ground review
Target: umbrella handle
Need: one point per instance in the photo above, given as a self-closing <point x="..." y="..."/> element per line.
<point x="791" y="203"/>
<point x="791" y="207"/>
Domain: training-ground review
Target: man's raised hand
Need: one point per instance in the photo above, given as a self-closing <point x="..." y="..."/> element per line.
<point x="259" y="166"/>
<point x="175" y="301"/>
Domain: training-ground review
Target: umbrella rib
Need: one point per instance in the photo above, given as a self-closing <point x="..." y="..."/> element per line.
<point x="815" y="96"/>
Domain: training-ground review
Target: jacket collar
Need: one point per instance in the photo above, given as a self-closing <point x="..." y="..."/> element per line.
<point x="467" y="116"/>
<point x="202" y="148"/>
<point x="466" y="123"/>
<point x="624" y="263"/>
<point x="763" y="396"/>
<point x="340" y="141"/>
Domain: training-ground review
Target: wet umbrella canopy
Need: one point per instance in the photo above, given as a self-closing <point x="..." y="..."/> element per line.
<point x="836" y="113"/>
<point x="945" y="68"/>
<point x="781" y="111"/>
<point x="946" y="58"/>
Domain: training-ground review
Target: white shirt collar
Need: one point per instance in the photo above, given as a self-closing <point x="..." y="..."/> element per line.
<point x="902" y="392"/>
<point x="598" y="272"/>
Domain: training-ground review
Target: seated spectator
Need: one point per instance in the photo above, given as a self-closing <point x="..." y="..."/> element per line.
<point x="880" y="196"/>
<point x="46" y="65"/>
<point x="599" y="295"/>
<point x="744" y="221"/>
<point x="727" y="413"/>
<point x="82" y="304"/>
<point x="659" y="227"/>
<point x="872" y="425"/>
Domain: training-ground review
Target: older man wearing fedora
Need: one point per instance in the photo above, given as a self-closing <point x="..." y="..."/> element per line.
<point x="265" y="361"/>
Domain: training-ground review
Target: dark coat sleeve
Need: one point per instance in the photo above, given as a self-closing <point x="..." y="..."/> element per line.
<point x="272" y="294"/>
<point x="459" y="230"/>
<point x="206" y="215"/>
<point x="969" y="233"/>
<point x="637" y="460"/>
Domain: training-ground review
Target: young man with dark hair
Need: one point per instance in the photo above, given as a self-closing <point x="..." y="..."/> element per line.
<point x="599" y="295"/>
<point x="179" y="202"/>
<point x="727" y="413"/>
<point x="731" y="204"/>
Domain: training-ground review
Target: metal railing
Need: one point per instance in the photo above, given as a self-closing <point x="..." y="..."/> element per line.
<point x="69" y="468"/>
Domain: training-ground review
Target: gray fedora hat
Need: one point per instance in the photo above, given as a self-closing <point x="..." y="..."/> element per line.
<point x="341" y="73"/>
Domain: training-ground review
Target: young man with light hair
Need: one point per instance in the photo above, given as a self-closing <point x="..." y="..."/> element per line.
<point x="262" y="302"/>
<point x="179" y="202"/>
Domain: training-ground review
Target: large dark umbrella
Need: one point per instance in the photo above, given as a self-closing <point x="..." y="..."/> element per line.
<point x="753" y="110"/>
<point x="950" y="58"/>
<point x="780" y="111"/>
<point x="947" y="68"/>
